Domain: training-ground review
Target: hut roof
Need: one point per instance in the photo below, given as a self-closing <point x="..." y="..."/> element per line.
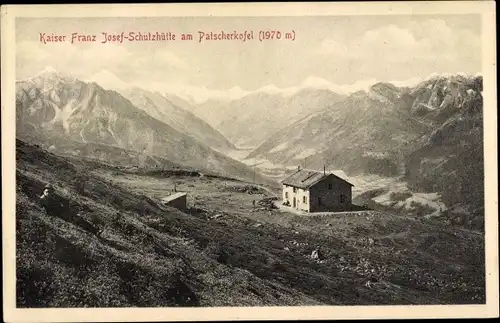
<point x="305" y="178"/>
<point x="173" y="197"/>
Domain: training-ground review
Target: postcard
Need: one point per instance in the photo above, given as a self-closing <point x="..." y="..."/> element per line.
<point x="249" y="161"/>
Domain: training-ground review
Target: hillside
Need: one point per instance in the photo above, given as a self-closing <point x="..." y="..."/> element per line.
<point x="422" y="145"/>
<point x="58" y="110"/>
<point x="161" y="108"/>
<point x="249" y="121"/>
<point x="372" y="132"/>
<point x="359" y="134"/>
<point x="222" y="251"/>
<point x="102" y="153"/>
<point x="141" y="261"/>
<point x="449" y="160"/>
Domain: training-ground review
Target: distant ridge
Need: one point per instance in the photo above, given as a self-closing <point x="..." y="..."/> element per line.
<point x="56" y="109"/>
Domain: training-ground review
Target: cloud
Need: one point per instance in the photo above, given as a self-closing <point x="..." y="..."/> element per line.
<point x="390" y="43"/>
<point x="394" y="44"/>
<point x="168" y="58"/>
<point x="399" y="50"/>
<point x="432" y="30"/>
<point x="151" y="66"/>
<point x="67" y="58"/>
<point x="409" y="82"/>
<point x="104" y="53"/>
<point x="29" y="50"/>
<point x="84" y="61"/>
<point x="200" y="94"/>
<point x="432" y="40"/>
<point x="108" y="80"/>
<point x="333" y="47"/>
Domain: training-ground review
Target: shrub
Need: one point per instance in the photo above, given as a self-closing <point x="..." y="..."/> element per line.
<point x="80" y="181"/>
<point x="33" y="286"/>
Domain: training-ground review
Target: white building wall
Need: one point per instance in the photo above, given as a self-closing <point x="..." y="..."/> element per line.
<point x="299" y="194"/>
<point x="301" y="203"/>
<point x="288" y="194"/>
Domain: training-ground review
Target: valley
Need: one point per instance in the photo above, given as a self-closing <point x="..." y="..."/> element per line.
<point x="113" y="155"/>
<point x="57" y="110"/>
<point x="250" y="120"/>
<point x="223" y="251"/>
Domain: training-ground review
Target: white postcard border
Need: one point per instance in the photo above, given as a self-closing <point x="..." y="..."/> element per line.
<point x="9" y="13"/>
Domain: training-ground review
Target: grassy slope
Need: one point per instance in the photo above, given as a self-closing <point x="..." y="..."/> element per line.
<point x="141" y="260"/>
<point x="157" y="256"/>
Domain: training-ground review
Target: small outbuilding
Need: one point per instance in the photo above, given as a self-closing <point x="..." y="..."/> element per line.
<point x="177" y="200"/>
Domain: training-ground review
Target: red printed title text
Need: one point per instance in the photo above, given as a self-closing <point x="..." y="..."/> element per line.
<point x="200" y="37"/>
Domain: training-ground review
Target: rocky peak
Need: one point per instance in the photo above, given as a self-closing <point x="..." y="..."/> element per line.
<point x="385" y="92"/>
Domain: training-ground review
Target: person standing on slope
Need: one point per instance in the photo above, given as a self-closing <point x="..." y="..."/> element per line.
<point x="58" y="207"/>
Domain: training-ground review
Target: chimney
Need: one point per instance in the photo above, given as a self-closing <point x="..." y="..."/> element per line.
<point x="298" y="168"/>
<point x="324" y="170"/>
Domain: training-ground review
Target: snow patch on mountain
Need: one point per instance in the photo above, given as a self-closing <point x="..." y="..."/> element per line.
<point x="280" y="147"/>
<point x="306" y="153"/>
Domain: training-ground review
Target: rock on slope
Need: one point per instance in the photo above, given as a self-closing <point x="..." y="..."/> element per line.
<point x="56" y="109"/>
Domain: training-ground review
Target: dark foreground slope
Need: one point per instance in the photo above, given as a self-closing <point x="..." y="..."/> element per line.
<point x="153" y="255"/>
<point x="143" y="258"/>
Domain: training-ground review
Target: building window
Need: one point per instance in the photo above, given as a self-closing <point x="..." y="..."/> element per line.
<point x="330" y="186"/>
<point x="342" y="198"/>
<point x="319" y="200"/>
<point x="286" y="195"/>
<point x="304" y="200"/>
<point x="295" y="190"/>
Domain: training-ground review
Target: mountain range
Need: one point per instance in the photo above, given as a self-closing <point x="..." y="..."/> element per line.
<point x="184" y="121"/>
<point x="166" y="107"/>
<point x="58" y="110"/>
<point x="223" y="249"/>
<point x="250" y="120"/>
<point x="429" y="135"/>
<point x="423" y="133"/>
<point x="449" y="159"/>
<point x="358" y="134"/>
<point x="379" y="124"/>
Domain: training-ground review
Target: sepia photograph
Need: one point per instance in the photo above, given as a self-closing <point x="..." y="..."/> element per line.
<point x="215" y="159"/>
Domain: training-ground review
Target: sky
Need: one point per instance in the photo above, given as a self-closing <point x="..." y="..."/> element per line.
<point x="344" y="53"/>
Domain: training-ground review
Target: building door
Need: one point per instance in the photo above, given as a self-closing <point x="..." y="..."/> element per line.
<point x="294" y="202"/>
